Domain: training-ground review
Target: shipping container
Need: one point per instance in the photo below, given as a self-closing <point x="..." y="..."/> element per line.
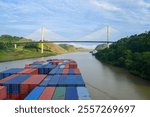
<point x="71" y="93"/>
<point x="66" y="66"/>
<point x="62" y="66"/>
<point x="8" y="78"/>
<point x="59" y="72"/>
<point x="65" y="72"/>
<point x="59" y="93"/>
<point x="72" y="65"/>
<point x="3" y="92"/>
<point x="77" y="71"/>
<point x="83" y="93"/>
<point x="31" y="83"/>
<point x="29" y="71"/>
<point x="71" y="81"/>
<point x="40" y="68"/>
<point x="47" y="93"/>
<point x="13" y="85"/>
<point x="71" y="72"/>
<point x="54" y="80"/>
<point x="10" y="72"/>
<point x="79" y="80"/>
<point x="37" y="81"/>
<point x="62" y="81"/>
<point x="35" y="93"/>
<point x="46" y="81"/>
<point x="53" y="71"/>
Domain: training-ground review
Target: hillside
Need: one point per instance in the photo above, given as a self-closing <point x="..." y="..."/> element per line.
<point x="54" y="48"/>
<point x="100" y="47"/>
<point x="69" y="48"/>
<point x="28" y="50"/>
<point x="131" y="53"/>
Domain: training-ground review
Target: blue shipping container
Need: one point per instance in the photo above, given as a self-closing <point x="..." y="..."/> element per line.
<point x="83" y="93"/>
<point x="62" y="80"/>
<point x="13" y="85"/>
<point x="10" y="72"/>
<point x="53" y="71"/>
<point x="71" y="93"/>
<point x="71" y="81"/>
<point x="46" y="81"/>
<point x="35" y="93"/>
<point x="59" y="72"/>
<point x="71" y="71"/>
<point x="54" y="80"/>
<point x="79" y="80"/>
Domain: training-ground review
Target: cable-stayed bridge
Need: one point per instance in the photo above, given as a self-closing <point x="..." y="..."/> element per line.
<point x="44" y="35"/>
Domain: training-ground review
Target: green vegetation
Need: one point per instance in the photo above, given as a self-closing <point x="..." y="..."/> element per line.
<point x="101" y="47"/>
<point x="131" y="53"/>
<point x="69" y="48"/>
<point x="16" y="54"/>
<point x="28" y="50"/>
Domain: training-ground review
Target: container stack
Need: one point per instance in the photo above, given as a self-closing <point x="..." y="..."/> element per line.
<point x="54" y="79"/>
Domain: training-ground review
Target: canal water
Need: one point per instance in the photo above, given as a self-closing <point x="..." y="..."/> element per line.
<point x="103" y="81"/>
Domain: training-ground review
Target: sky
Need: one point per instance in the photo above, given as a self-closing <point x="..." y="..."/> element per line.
<point x="74" y="19"/>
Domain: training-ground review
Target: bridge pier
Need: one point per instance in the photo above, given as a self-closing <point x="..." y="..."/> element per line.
<point x="42" y="48"/>
<point x="107" y="36"/>
<point x="42" y="36"/>
<point x="15" y="45"/>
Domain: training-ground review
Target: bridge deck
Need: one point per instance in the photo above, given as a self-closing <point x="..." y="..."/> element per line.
<point x="65" y="42"/>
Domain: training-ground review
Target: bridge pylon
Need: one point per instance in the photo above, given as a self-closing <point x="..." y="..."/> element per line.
<point x="15" y="45"/>
<point x="107" y="36"/>
<point x="42" y="39"/>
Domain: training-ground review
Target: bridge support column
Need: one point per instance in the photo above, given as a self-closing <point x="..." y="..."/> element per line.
<point x="15" y="45"/>
<point x="42" y="36"/>
<point x="107" y="36"/>
<point x="42" y="48"/>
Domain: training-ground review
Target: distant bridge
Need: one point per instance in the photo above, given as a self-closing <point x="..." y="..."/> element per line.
<point x="64" y="42"/>
<point x="60" y="41"/>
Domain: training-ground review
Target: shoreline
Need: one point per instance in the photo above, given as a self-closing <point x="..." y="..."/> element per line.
<point x="2" y="61"/>
<point x="37" y="56"/>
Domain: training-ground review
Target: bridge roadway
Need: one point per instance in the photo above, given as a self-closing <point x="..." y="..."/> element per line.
<point x="64" y="42"/>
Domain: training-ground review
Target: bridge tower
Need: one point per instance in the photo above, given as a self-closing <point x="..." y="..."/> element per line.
<point x="107" y="36"/>
<point x="15" y="45"/>
<point x="42" y="39"/>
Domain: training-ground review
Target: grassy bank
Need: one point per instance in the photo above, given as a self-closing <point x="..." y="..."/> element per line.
<point x="17" y="54"/>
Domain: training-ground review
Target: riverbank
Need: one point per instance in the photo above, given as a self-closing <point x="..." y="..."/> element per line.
<point x="11" y="55"/>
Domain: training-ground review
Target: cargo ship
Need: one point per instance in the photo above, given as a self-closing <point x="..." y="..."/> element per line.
<point x="53" y="79"/>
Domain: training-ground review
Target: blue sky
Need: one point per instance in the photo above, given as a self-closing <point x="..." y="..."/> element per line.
<point x="75" y="19"/>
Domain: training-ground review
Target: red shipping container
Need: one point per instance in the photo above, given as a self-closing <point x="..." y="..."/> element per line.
<point x="77" y="72"/>
<point x="72" y="65"/>
<point x="13" y="96"/>
<point x="8" y="78"/>
<point x="55" y="62"/>
<point x="22" y="96"/>
<point x="24" y="88"/>
<point x="31" y="83"/>
<point x="23" y="71"/>
<point x="65" y="71"/>
<point x="27" y="66"/>
<point x="3" y="92"/>
<point x="66" y="66"/>
<point x="47" y="93"/>
<point x="29" y="71"/>
<point x="37" y="81"/>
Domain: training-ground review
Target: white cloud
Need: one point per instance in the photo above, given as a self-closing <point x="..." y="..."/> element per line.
<point x="144" y="4"/>
<point x="105" y="5"/>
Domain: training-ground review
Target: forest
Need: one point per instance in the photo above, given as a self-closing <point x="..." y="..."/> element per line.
<point x="131" y="53"/>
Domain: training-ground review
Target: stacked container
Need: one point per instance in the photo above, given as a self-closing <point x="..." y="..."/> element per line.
<point x="54" y="79"/>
